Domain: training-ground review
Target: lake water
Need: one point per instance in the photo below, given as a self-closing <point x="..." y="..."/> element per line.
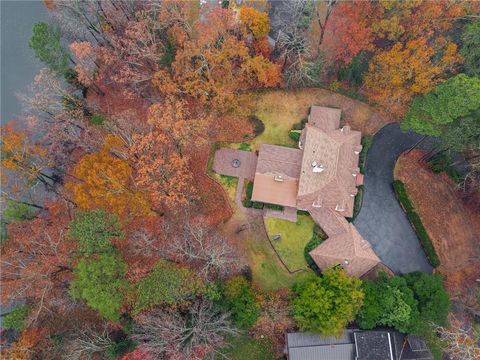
<point x="18" y="62"/>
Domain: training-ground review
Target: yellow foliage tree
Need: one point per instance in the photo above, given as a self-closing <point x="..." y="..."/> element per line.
<point x="397" y="75"/>
<point x="103" y="180"/>
<point x="256" y="21"/>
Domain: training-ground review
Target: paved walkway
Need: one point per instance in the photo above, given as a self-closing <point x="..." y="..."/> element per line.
<point x="288" y="213"/>
<point x="381" y="219"/>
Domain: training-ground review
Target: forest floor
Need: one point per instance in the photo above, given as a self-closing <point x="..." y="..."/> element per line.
<point x="452" y="224"/>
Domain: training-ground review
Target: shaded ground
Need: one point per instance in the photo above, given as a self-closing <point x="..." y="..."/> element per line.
<point x="381" y="220"/>
<point x="453" y="227"/>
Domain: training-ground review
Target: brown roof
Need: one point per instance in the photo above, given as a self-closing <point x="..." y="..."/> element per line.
<point x="349" y="249"/>
<point x="335" y="152"/>
<point x="277" y="173"/>
<point x="325" y="118"/>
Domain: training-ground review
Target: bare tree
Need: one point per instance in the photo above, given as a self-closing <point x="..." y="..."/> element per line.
<point x="205" y="250"/>
<point x="293" y="19"/>
<point x="86" y="343"/>
<point x="460" y="344"/>
<point x="189" y="335"/>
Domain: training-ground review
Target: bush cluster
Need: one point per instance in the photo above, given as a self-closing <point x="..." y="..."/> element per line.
<point x="258" y="124"/>
<point x="416" y="222"/>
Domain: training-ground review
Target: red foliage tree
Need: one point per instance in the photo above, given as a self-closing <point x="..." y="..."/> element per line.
<point x="36" y="259"/>
<point x="349" y="31"/>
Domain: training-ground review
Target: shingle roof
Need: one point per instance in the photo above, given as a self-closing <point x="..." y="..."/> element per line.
<point x="310" y="346"/>
<point x="325" y="118"/>
<point x="334" y="152"/>
<point x="348" y="249"/>
<point x="276" y="176"/>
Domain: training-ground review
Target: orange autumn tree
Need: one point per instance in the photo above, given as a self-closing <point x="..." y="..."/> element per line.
<point x="208" y="65"/>
<point x="162" y="172"/>
<point x="21" y="156"/>
<point x="102" y="180"/>
<point x="184" y="122"/>
<point x="395" y="76"/>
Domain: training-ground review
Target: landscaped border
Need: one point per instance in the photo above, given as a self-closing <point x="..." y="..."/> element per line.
<point x="416" y="221"/>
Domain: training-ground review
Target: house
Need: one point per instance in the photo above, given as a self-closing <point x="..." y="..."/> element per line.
<point x="320" y="177"/>
<point x="356" y="345"/>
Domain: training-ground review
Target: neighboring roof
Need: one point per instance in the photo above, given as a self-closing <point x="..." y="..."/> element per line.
<point x="309" y="346"/>
<point x="325" y="118"/>
<point x="332" y="352"/>
<point x="374" y="345"/>
<point x="276" y="176"/>
<point x="336" y="152"/>
<point x="356" y="345"/>
<point x="348" y="249"/>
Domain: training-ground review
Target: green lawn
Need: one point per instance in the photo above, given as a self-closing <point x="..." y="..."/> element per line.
<point x="267" y="271"/>
<point x="294" y="237"/>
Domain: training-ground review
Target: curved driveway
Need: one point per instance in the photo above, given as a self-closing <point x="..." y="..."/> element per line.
<point x="381" y="219"/>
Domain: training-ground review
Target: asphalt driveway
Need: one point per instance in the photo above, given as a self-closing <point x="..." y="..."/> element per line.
<point x="381" y="219"/>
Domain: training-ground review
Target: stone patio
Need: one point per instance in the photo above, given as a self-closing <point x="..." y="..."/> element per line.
<point x="225" y="162"/>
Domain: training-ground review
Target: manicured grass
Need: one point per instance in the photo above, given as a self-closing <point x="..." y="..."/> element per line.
<point x="294" y="237"/>
<point x="267" y="271"/>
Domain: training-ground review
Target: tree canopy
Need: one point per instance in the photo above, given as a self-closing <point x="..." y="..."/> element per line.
<point x="241" y="301"/>
<point x="470" y="49"/>
<point x="328" y="303"/>
<point x="93" y="231"/>
<point x="101" y="282"/>
<point x="430" y="113"/>
<point x="167" y="284"/>
<point x="46" y="43"/>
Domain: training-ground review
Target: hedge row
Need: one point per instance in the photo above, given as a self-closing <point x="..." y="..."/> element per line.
<point x="416" y="222"/>
<point x="402" y="195"/>
<point x="317" y="238"/>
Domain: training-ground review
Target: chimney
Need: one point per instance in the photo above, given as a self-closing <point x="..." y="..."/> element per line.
<point x="357" y="149"/>
<point x="355" y="171"/>
<point x="346" y="130"/>
<point x="318" y="168"/>
<point x="278" y="178"/>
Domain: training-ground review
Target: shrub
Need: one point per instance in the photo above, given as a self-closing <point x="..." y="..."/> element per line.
<point x="273" y="206"/>
<point x="367" y="141"/>
<point x="166" y="284"/>
<point x="245" y="146"/>
<point x="402" y="195"/>
<point x="97" y="119"/>
<point x="442" y="163"/>
<point x="353" y="72"/>
<point x="258" y="124"/>
<point x="257" y="205"/>
<point x="241" y="301"/>
<point x="416" y="222"/>
<point x="16" y="211"/>
<point x="424" y="238"/>
<point x="15" y="319"/>
<point x="317" y="238"/>
<point x="294" y="135"/>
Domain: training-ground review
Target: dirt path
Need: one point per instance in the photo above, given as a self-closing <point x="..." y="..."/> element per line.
<point x="453" y="228"/>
